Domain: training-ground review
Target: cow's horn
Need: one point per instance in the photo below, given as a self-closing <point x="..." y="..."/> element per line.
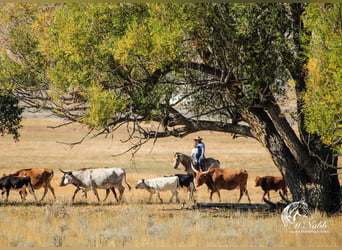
<point x="64" y="172"/>
<point x="212" y="165"/>
<point x="193" y="168"/>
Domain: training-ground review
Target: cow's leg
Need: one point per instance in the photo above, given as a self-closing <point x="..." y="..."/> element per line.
<point x="32" y="192"/>
<point x="121" y="190"/>
<point x="211" y="195"/>
<point x="268" y="195"/>
<point x="191" y="190"/>
<point x="76" y="191"/>
<point x="45" y="191"/>
<point x="96" y="193"/>
<point x="174" y="193"/>
<point x="265" y="192"/>
<point x="241" y="194"/>
<point x="214" y="191"/>
<point x="219" y="195"/>
<point x="189" y="193"/>
<point x="149" y="200"/>
<point x="107" y="192"/>
<point x="242" y="191"/>
<point x="114" y="193"/>
<point x="177" y="199"/>
<point x="7" y="194"/>
<point x="24" y="193"/>
<point x="22" y="196"/>
<point x="84" y="193"/>
<point x="46" y="188"/>
<point x="249" y="199"/>
<point x="161" y="200"/>
<point x="52" y="191"/>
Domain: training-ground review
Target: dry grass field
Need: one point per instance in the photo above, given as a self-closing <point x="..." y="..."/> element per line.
<point x="135" y="223"/>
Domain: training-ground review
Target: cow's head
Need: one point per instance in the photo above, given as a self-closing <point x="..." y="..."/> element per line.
<point x="140" y="184"/>
<point x="201" y="177"/>
<point x="67" y="178"/>
<point x="257" y="181"/>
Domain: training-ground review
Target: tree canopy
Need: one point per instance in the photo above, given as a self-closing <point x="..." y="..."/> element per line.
<point x="189" y="67"/>
<point x="323" y="97"/>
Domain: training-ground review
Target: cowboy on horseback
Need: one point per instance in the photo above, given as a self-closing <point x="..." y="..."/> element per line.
<point x="199" y="155"/>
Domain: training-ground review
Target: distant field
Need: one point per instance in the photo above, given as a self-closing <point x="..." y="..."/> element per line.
<point x="136" y="223"/>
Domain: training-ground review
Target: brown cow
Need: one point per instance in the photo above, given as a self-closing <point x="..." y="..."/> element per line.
<point x="218" y="178"/>
<point x="268" y="183"/>
<point x="40" y="177"/>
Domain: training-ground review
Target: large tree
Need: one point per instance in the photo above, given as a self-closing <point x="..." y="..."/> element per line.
<point x="189" y="67"/>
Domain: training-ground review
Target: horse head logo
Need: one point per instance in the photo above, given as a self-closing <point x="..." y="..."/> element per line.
<point x="294" y="211"/>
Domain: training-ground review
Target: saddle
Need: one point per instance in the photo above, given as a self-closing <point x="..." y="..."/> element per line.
<point x="195" y="164"/>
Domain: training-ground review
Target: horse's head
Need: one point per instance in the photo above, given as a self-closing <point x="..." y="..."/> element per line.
<point x="176" y="158"/>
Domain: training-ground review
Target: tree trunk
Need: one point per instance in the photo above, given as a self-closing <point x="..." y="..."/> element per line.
<point x="310" y="179"/>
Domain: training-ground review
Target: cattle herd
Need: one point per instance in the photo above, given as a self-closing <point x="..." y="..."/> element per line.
<point x="87" y="179"/>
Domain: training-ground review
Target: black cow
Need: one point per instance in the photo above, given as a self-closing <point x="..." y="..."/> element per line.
<point x="187" y="180"/>
<point x="18" y="183"/>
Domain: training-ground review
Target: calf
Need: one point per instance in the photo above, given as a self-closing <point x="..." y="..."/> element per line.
<point x="218" y="178"/>
<point x="18" y="183"/>
<point x="268" y="183"/>
<point x="160" y="184"/>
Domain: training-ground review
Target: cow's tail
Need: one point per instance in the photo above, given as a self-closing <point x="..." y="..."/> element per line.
<point x="129" y="187"/>
<point x="51" y="174"/>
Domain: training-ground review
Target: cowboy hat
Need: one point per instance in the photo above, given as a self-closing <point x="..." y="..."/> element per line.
<point x="198" y="138"/>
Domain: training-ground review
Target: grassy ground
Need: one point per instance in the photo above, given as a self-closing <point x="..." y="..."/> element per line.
<point x="136" y="223"/>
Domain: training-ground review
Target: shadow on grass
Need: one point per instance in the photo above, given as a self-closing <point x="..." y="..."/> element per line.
<point x="46" y="203"/>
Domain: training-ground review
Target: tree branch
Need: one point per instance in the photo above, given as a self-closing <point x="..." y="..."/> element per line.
<point x="290" y="138"/>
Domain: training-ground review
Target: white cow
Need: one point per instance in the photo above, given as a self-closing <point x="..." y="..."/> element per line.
<point x="161" y="184"/>
<point x="86" y="179"/>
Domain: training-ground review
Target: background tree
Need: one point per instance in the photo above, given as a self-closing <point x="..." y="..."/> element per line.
<point x="228" y="65"/>
<point x="10" y="115"/>
<point x="323" y="96"/>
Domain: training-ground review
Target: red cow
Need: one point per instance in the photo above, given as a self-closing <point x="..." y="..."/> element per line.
<point x="268" y="183"/>
<point x="40" y="177"/>
<point x="218" y="178"/>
